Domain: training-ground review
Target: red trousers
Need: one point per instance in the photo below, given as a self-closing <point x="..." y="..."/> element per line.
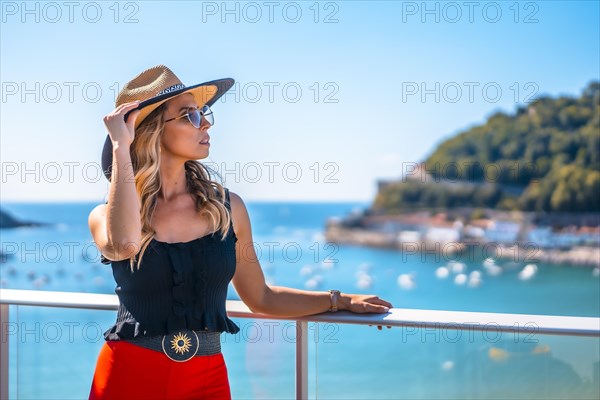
<point x="127" y="371"/>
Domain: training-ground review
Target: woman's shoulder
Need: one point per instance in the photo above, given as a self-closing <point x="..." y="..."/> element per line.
<point x="239" y="213"/>
<point x="235" y="200"/>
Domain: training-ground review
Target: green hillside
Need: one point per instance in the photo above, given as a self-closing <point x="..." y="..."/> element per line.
<point x="544" y="157"/>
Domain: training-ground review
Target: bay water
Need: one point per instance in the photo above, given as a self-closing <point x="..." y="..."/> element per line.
<point x="54" y="350"/>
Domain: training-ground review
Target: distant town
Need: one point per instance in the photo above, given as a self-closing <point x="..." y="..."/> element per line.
<point x="528" y="237"/>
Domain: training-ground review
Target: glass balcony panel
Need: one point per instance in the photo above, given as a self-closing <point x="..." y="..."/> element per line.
<point x="359" y="362"/>
<point x="261" y="359"/>
<point x="55" y="351"/>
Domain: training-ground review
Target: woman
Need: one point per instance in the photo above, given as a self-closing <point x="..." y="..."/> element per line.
<point x="175" y="240"/>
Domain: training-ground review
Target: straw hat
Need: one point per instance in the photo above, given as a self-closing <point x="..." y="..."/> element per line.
<point x="153" y="87"/>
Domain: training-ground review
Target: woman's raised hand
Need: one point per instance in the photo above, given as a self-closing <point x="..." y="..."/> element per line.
<point x="122" y="132"/>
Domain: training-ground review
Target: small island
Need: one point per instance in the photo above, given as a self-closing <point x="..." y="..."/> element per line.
<point x="526" y="186"/>
<point x="7" y="221"/>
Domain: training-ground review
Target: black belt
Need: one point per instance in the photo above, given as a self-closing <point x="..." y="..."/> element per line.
<point x="182" y="345"/>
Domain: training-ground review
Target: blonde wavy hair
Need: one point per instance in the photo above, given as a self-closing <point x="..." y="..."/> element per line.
<point x="145" y="157"/>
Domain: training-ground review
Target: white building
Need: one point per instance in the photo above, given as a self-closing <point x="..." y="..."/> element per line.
<point x="500" y="231"/>
<point x="444" y="233"/>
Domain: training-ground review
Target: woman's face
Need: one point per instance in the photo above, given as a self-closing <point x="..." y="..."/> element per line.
<point x="180" y="138"/>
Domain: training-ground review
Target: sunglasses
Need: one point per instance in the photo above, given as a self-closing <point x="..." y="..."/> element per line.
<point x="195" y="116"/>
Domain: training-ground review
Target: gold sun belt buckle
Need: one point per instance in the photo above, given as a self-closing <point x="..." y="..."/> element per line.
<point x="181" y="346"/>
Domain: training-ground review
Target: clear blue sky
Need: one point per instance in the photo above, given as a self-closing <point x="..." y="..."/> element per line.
<point x="369" y="58"/>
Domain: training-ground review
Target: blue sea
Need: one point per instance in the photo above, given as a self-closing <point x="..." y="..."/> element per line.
<point x="53" y="350"/>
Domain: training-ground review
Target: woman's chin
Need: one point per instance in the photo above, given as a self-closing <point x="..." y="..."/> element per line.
<point x="203" y="155"/>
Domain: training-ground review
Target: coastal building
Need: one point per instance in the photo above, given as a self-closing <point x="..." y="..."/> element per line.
<point x="409" y="236"/>
<point x="502" y="231"/>
<point x="546" y="237"/>
<point x="443" y="232"/>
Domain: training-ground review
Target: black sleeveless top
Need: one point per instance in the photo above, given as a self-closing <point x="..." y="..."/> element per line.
<point x="178" y="285"/>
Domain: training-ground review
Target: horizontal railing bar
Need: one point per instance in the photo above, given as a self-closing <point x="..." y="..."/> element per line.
<point x="397" y="317"/>
<point x="44" y="298"/>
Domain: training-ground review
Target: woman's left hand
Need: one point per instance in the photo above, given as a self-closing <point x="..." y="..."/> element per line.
<point x="364" y="303"/>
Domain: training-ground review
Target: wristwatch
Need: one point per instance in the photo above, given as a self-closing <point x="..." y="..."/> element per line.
<point x="334" y="294"/>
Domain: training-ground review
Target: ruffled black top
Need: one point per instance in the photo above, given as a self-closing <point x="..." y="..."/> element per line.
<point x="179" y="285"/>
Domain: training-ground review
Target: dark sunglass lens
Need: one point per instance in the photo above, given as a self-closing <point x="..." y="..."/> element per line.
<point x="194" y="117"/>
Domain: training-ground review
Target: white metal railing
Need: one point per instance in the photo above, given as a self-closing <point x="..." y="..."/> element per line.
<point x="399" y="317"/>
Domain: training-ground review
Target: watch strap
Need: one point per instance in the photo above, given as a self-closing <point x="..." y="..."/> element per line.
<point x="334" y="296"/>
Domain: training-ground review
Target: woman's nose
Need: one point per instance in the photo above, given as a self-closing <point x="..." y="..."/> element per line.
<point x="204" y="124"/>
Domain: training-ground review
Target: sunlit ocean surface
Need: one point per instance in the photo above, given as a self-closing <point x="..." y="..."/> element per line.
<point x="56" y="349"/>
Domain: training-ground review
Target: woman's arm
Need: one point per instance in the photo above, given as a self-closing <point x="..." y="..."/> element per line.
<point x="281" y="301"/>
<point x="117" y="227"/>
<point x="288" y="302"/>
<point x="123" y="222"/>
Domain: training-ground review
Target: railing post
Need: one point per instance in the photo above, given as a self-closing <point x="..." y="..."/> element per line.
<point x="302" y="360"/>
<point x="4" y="351"/>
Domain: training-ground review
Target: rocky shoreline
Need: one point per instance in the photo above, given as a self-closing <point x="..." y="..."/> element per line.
<point x="7" y="221"/>
<point x="581" y="256"/>
<point x="369" y="238"/>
